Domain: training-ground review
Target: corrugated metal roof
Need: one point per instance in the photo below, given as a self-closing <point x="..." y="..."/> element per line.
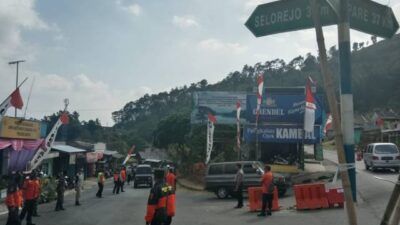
<point x="67" y="149"/>
<point x="108" y="152"/>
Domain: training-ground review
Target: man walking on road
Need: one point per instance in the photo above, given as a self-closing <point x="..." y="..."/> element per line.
<point x="239" y="186"/>
<point x="30" y="193"/>
<point x="123" y="178"/>
<point x="171" y="178"/>
<point x="60" y="192"/>
<point x="156" y="213"/>
<point x="78" y="186"/>
<point x="268" y="190"/>
<point x="117" y="181"/>
<point x="100" y="181"/>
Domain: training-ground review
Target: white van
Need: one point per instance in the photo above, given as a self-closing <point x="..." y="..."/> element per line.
<point x="382" y="155"/>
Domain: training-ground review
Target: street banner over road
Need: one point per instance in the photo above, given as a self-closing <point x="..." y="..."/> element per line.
<point x="289" y="15"/>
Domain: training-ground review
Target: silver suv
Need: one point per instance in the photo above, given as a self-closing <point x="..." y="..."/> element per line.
<point x="382" y="155"/>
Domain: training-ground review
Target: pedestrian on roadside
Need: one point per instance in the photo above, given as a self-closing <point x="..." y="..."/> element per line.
<point x="13" y="201"/>
<point x="100" y="181"/>
<point x="78" y="186"/>
<point x="129" y="173"/>
<point x="38" y="184"/>
<point x="117" y="181"/>
<point x="239" y="186"/>
<point x="156" y="213"/>
<point x="123" y="178"/>
<point x="60" y="192"/>
<point x="30" y="194"/>
<point x="267" y="190"/>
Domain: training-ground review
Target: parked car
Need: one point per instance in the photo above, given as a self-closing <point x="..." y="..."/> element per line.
<point x="220" y="177"/>
<point x="143" y="176"/>
<point x="382" y="155"/>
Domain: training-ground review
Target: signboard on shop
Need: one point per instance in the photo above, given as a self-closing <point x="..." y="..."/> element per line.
<point x="19" y="128"/>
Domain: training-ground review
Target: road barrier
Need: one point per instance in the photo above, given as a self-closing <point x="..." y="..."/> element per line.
<point x="311" y="196"/>
<point x="335" y="197"/>
<point x="255" y="199"/>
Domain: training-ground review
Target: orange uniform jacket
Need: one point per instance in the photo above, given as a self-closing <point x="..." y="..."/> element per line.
<point x="116" y="177"/>
<point x="171" y="179"/>
<point x="266" y="181"/>
<point x="30" y="189"/>
<point x="171" y="202"/>
<point x="123" y="175"/>
<point x="157" y="203"/>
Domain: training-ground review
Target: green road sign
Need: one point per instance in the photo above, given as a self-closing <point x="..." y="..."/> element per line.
<point x="286" y="15"/>
<point x="290" y="15"/>
<point x="372" y="18"/>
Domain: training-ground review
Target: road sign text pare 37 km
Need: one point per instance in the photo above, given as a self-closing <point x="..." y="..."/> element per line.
<point x="290" y="15"/>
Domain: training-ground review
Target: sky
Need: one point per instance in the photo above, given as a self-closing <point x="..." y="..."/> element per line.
<point x="101" y="54"/>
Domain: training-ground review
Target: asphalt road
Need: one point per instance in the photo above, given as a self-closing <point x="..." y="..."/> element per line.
<point x="198" y="208"/>
<point x="373" y="194"/>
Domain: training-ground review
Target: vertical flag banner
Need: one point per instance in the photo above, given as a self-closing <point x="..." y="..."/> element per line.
<point x="128" y="156"/>
<point x="328" y="124"/>
<point x="260" y="87"/>
<point x="310" y="107"/>
<point x="48" y="142"/>
<point x="210" y="135"/>
<point x="238" y="109"/>
<point x="14" y="100"/>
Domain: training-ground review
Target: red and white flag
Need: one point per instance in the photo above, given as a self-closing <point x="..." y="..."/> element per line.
<point x="14" y="100"/>
<point x="210" y="135"/>
<point x="128" y="156"/>
<point x="328" y="123"/>
<point x="309" y="114"/>
<point x="260" y="87"/>
<point x="46" y="146"/>
<point x="238" y="109"/>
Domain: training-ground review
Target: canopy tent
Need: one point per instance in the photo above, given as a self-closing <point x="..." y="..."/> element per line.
<point x="20" y="152"/>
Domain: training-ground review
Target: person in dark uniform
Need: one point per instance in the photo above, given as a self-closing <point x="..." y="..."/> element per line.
<point x="156" y="213"/>
<point x="239" y="186"/>
<point x="60" y="192"/>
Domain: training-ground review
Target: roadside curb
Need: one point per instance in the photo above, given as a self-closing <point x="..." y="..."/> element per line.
<point x="189" y="185"/>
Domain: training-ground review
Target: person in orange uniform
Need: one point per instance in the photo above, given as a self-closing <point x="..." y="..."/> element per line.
<point x="156" y="213"/>
<point x="123" y="178"/>
<point x="117" y="181"/>
<point x="171" y="178"/>
<point x="171" y="182"/>
<point x="37" y="195"/>
<point x="268" y="190"/>
<point x="100" y="181"/>
<point x="13" y="202"/>
<point x="29" y="192"/>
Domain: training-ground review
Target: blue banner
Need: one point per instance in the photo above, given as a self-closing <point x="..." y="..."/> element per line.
<point x="281" y="108"/>
<point x="282" y="134"/>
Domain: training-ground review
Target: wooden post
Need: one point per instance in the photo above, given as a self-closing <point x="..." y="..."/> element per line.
<point x="391" y="206"/>
<point x="330" y="92"/>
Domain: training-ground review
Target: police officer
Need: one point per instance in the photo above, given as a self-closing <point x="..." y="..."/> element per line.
<point x="156" y="213"/>
<point x="123" y="178"/>
<point x="239" y="186"/>
<point x="37" y="193"/>
<point x="171" y="178"/>
<point x="60" y="192"/>
<point x="78" y="186"/>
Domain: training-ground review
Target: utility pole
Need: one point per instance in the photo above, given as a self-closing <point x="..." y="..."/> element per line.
<point x="346" y="95"/>
<point x="391" y="206"/>
<point x="16" y="80"/>
<point x="330" y="92"/>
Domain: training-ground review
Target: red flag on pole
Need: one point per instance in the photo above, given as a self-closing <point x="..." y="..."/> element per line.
<point x="212" y="118"/>
<point x="16" y="99"/>
<point x="310" y="107"/>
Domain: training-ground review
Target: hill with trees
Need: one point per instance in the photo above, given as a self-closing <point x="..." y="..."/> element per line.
<point x="163" y="120"/>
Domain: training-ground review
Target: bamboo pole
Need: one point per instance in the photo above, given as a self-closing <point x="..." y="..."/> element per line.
<point x="330" y="92"/>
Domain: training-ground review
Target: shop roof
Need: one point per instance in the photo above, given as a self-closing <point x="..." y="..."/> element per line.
<point x="108" y="152"/>
<point x="67" y="149"/>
